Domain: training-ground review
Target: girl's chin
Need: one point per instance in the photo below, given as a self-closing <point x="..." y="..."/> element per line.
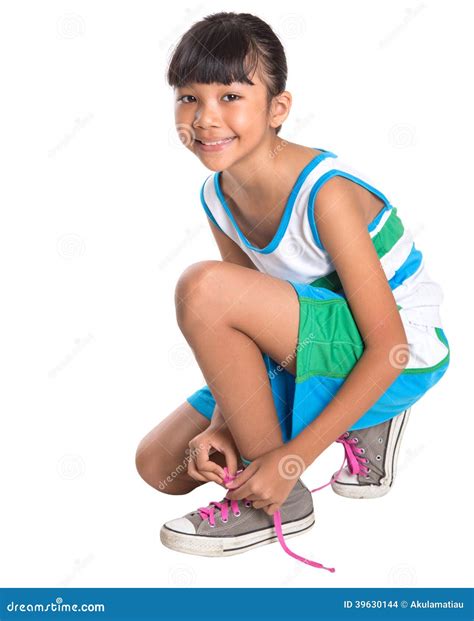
<point x="216" y="161"/>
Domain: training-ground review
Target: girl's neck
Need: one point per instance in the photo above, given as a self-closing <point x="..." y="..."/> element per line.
<point x="261" y="179"/>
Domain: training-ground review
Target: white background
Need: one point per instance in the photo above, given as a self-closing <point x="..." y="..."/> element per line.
<point x="100" y="214"/>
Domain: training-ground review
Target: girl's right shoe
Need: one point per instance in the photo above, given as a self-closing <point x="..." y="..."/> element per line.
<point x="371" y="455"/>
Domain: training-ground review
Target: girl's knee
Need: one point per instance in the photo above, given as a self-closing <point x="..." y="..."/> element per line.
<point x="155" y="470"/>
<point x="195" y="287"/>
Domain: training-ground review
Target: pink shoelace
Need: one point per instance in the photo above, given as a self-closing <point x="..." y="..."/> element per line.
<point x="351" y="455"/>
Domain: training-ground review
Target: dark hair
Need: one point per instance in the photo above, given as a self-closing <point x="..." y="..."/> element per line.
<point x="226" y="48"/>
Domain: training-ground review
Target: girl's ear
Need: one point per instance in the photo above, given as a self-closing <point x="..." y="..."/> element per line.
<point x="280" y="108"/>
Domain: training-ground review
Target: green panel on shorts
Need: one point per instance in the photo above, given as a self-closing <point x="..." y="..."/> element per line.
<point x="329" y="340"/>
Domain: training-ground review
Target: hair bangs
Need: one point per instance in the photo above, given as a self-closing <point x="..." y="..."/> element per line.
<point x="220" y="55"/>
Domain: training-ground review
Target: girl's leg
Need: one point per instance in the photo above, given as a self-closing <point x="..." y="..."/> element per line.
<point x="229" y="315"/>
<point x="161" y="457"/>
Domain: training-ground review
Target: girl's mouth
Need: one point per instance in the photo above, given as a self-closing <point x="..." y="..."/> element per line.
<point x="214" y="145"/>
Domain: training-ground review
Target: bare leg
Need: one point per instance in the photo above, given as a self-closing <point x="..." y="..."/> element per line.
<point x="229" y="315"/>
<point x="161" y="458"/>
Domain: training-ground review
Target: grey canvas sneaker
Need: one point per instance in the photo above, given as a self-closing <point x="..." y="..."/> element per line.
<point x="234" y="526"/>
<point x="372" y="455"/>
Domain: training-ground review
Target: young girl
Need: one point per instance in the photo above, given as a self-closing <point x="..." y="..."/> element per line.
<point x="320" y="323"/>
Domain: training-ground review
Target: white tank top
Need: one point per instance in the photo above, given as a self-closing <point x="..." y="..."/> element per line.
<point x="296" y="253"/>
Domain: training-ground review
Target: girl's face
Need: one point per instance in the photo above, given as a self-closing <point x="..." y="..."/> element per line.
<point x="236" y="117"/>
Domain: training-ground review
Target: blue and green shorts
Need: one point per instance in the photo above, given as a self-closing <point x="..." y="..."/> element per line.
<point x="329" y="345"/>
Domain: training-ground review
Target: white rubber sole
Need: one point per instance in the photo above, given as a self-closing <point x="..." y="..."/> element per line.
<point x="202" y="545"/>
<point x="355" y="490"/>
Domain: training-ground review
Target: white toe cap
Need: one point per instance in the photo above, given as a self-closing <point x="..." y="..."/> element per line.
<point x="182" y="525"/>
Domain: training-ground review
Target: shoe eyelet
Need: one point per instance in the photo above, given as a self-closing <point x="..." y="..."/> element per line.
<point x="380" y="440"/>
<point x="367" y="476"/>
<point x="212" y="525"/>
<point x="366" y="460"/>
<point x="346" y="435"/>
<point x="225" y="521"/>
<point x="356" y="439"/>
<point x="362" y="450"/>
<point x="237" y="514"/>
<point x="378" y="457"/>
<point x="248" y="503"/>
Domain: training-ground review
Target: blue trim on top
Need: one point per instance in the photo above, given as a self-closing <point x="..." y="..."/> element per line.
<point x="206" y="208"/>
<point x="317" y="186"/>
<point x="288" y="208"/>
<point x="378" y="217"/>
<point x="407" y="269"/>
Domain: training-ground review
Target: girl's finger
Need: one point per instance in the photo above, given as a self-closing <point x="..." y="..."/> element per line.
<point x="210" y="476"/>
<point x="244" y="490"/>
<point x="193" y="473"/>
<point x="261" y="503"/>
<point x="203" y="463"/>
<point x="231" y="459"/>
<point x="241" y="479"/>
<point x="270" y="509"/>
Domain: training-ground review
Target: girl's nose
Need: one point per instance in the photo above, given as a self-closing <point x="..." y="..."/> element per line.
<point x="207" y="117"/>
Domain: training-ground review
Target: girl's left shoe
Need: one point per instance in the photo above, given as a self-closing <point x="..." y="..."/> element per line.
<point x="371" y="455"/>
<point x="234" y="526"/>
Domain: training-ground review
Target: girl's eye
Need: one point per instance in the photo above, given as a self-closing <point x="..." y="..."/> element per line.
<point x="184" y="97"/>
<point x="237" y="97"/>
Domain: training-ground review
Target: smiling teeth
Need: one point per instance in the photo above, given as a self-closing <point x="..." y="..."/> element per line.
<point x="218" y="141"/>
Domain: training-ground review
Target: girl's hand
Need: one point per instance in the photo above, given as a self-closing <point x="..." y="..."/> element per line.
<point x="268" y="480"/>
<point x="214" y="438"/>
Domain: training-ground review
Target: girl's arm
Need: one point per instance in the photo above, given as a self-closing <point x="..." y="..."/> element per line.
<point x="229" y="250"/>
<point x="340" y="219"/>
